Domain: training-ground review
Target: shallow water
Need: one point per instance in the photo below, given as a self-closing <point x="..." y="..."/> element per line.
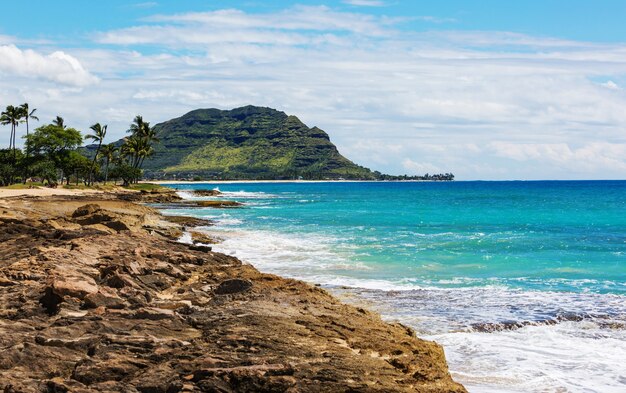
<point x="524" y="283"/>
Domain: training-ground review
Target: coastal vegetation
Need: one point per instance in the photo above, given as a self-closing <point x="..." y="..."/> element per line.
<point x="252" y="143"/>
<point x="248" y="143"/>
<point x="52" y="153"/>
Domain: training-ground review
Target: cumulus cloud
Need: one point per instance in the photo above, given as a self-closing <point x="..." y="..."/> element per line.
<point x="294" y="26"/>
<point x="478" y="104"/>
<point x="420" y="168"/>
<point x="365" y="3"/>
<point x="435" y="19"/>
<point x="588" y="158"/>
<point x="146" y="4"/>
<point x="57" y="66"/>
<point x="611" y="85"/>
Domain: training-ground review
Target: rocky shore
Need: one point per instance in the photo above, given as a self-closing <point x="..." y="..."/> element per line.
<point x="95" y="295"/>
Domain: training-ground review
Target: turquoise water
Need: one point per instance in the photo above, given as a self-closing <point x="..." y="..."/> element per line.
<point x="565" y="236"/>
<point x="474" y="265"/>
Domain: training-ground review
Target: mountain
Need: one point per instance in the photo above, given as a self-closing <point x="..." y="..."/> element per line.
<point x="246" y="143"/>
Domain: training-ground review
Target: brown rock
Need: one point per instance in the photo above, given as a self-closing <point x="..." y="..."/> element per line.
<point x="205" y="193"/>
<point x="200" y="237"/>
<point x="186" y="221"/>
<point x="90" y="311"/>
<point x="77" y="286"/>
<point x="86" y="210"/>
<point x="217" y="204"/>
<point x="104" y="298"/>
<point x="230" y="287"/>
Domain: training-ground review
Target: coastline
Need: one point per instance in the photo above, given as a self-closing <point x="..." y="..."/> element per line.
<point x="140" y="309"/>
<point x="168" y="182"/>
<point x="318" y="234"/>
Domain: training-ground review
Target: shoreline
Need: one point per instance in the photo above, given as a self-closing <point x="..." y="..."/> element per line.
<point x="476" y="323"/>
<point x="99" y="265"/>
<point x="166" y="182"/>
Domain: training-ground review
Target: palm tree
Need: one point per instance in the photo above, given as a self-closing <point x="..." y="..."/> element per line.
<point x="99" y="132"/>
<point x="132" y="148"/>
<point x="150" y="134"/>
<point x="139" y="145"/>
<point x="108" y="153"/>
<point x="138" y="126"/>
<point x="28" y="114"/>
<point x="11" y="116"/>
<point x="146" y="151"/>
<point x="59" y="122"/>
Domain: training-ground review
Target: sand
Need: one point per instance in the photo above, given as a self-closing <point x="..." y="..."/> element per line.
<point x="43" y="191"/>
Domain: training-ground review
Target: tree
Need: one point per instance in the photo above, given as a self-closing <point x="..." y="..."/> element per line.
<point x="53" y="142"/>
<point x="10" y="164"/>
<point x="138" y="126"/>
<point x="74" y="163"/>
<point x="99" y="132"/>
<point x="108" y="153"/>
<point x="28" y="114"/>
<point x="59" y="122"/>
<point x="138" y="146"/>
<point x="125" y="172"/>
<point x="11" y="116"/>
<point x="44" y="169"/>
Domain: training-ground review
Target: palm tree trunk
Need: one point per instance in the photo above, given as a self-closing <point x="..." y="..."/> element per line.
<point x="13" y="131"/>
<point x="106" y="172"/>
<point x="93" y="164"/>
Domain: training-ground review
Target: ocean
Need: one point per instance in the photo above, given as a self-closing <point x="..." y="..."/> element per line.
<point x="523" y="283"/>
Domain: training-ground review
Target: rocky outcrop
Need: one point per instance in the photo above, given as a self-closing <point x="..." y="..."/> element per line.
<point x="89" y="308"/>
<point x="161" y="195"/>
<point x="205" y="193"/>
<point x="216" y="204"/>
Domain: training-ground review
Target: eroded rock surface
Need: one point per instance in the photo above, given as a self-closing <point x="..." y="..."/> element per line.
<point x="85" y="307"/>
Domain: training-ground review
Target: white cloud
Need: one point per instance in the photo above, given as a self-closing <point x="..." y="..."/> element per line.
<point x="420" y="168"/>
<point x="147" y="4"/>
<point x="298" y="25"/>
<point x="435" y="19"/>
<point x="589" y="158"/>
<point x="365" y="3"/>
<point x="478" y="104"/>
<point x="611" y="85"/>
<point x="57" y="66"/>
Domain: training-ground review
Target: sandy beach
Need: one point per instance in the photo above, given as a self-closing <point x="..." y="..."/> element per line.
<point x="43" y="192"/>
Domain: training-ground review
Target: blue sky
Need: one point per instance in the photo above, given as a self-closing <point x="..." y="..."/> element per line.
<point x="601" y="20"/>
<point x="485" y="89"/>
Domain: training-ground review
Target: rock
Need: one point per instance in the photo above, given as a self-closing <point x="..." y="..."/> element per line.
<point x="93" y="215"/>
<point x="4" y="282"/>
<point x="154" y="314"/>
<point x="104" y="298"/>
<point x="77" y="287"/>
<point x="216" y="204"/>
<point x="164" y="195"/>
<point x="155" y="281"/>
<point x="200" y="237"/>
<point x="86" y="210"/>
<point x="200" y="247"/>
<point x="91" y="371"/>
<point x="87" y="311"/>
<point x="186" y="221"/>
<point x="230" y="287"/>
<point x="205" y="193"/>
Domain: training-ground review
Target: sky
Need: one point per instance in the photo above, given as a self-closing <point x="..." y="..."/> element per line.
<point x="483" y="89"/>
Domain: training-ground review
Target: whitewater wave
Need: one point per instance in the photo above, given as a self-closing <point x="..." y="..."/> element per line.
<point x="502" y="340"/>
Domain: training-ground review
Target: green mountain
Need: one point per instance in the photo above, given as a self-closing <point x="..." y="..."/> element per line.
<point x="246" y="143"/>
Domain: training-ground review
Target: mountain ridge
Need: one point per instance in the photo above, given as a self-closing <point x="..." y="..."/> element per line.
<point x="249" y="142"/>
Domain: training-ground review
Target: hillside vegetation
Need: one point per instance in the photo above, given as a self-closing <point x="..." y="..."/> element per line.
<point x="246" y="143"/>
